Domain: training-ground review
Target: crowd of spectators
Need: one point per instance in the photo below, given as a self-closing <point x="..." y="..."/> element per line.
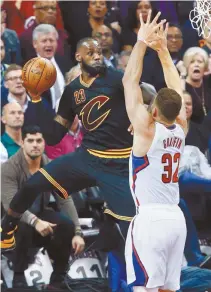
<point x="51" y="29"/>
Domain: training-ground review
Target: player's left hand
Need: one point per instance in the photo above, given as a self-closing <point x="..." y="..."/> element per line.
<point x="159" y="39"/>
<point x="78" y="244"/>
<point x="148" y="31"/>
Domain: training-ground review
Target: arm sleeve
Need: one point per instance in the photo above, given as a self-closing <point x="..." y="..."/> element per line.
<point x="55" y="127"/>
<point x="9" y="187"/>
<point x="65" y="109"/>
<point x="116" y="79"/>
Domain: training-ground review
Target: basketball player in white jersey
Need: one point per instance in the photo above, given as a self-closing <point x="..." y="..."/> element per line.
<point x="156" y="237"/>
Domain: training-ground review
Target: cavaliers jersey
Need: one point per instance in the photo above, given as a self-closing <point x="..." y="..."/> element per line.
<point x="100" y="105"/>
<point x="154" y="177"/>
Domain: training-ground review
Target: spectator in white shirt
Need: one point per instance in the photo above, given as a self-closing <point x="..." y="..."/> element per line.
<point x="45" y="42"/>
<point x="13" y="82"/>
<point x="16" y="92"/>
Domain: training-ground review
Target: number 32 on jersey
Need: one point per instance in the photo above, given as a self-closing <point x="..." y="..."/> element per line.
<point x="169" y="161"/>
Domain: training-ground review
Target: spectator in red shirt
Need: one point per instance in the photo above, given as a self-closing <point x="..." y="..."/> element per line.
<point x="45" y="13"/>
<point x="71" y="141"/>
<point x="11" y="42"/>
<point x="19" y="12"/>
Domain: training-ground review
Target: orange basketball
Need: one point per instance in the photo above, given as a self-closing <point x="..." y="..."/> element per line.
<point x="38" y="75"/>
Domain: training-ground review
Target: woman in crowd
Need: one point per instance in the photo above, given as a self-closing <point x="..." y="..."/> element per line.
<point x="198" y="134"/>
<point x="129" y="32"/>
<point x="93" y="15"/>
<point x="97" y="15"/>
<point x="196" y="62"/>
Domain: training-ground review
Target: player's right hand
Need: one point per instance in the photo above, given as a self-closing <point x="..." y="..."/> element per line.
<point x="148" y="30"/>
<point x="34" y="97"/>
<point x="44" y="227"/>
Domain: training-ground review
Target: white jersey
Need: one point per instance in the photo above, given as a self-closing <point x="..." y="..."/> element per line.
<point x="154" y="177"/>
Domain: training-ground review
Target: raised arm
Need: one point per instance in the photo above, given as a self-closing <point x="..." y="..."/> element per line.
<point x="136" y="110"/>
<point x="131" y="79"/>
<point x="171" y="74"/>
<point x="173" y="81"/>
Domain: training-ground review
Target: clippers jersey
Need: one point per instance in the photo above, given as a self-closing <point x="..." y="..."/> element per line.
<point x="154" y="177"/>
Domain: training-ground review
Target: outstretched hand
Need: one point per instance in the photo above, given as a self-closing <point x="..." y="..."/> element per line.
<point x="34" y="97"/>
<point x="159" y="39"/>
<point x="148" y="32"/>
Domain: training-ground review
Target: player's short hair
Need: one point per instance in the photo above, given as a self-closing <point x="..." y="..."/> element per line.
<point x="84" y="40"/>
<point x="190" y="54"/>
<point x="44" y="28"/>
<point x="12" y="67"/>
<point x="30" y="129"/>
<point x="169" y="103"/>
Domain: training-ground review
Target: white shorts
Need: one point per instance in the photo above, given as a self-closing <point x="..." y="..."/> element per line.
<point x="155" y="246"/>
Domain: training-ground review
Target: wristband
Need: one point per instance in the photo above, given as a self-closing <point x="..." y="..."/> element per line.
<point x="35" y="101"/>
<point x="34" y="98"/>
